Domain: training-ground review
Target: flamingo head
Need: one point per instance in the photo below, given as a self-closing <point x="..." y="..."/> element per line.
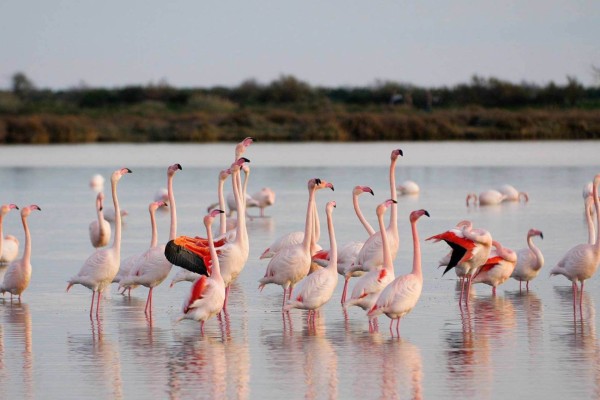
<point x="7" y="207"/>
<point x="362" y="189"/>
<point x="330" y="206"/>
<point x="240" y="148"/>
<point x="208" y="219"/>
<point x="118" y="174"/>
<point x="100" y="201"/>
<point x="156" y="205"/>
<point x="465" y="223"/>
<point x="173" y="168"/>
<point x="27" y="210"/>
<point x="224" y="174"/>
<point x="415" y="215"/>
<point x="237" y="165"/>
<point x="504" y="252"/>
<point x="535" y="232"/>
<point x="384" y="206"/>
<point x="596" y="182"/>
<point x="97" y="183"/>
<point x="396" y="153"/>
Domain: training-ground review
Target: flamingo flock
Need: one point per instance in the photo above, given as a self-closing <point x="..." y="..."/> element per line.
<point x="307" y="274"/>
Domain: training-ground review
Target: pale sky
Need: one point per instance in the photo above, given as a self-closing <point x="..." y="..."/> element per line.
<point x="199" y="43"/>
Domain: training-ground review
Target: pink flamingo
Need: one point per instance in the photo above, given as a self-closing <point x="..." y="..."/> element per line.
<point x="371" y="255"/>
<point x="470" y="250"/>
<point x="264" y="198"/>
<point x="369" y="286"/>
<point x="317" y="288"/>
<point x="207" y="294"/>
<point x="408" y="188"/>
<point x="100" y="268"/>
<point x="401" y="296"/>
<point x="513" y="194"/>
<point x="100" y="228"/>
<point x="18" y="274"/>
<point x="487" y="198"/>
<point x="9" y="245"/>
<point x="498" y="267"/>
<point x="589" y="213"/>
<point x="581" y="261"/>
<point x="292" y="263"/>
<point x="529" y="260"/>
<point x="152" y="267"/>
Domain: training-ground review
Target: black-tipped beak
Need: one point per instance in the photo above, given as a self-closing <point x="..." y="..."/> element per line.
<point x="245" y="159"/>
<point x="394" y="201"/>
<point x="541" y="235"/>
<point x="128" y="170"/>
<point x="36" y="208"/>
<point x="332" y="188"/>
<point x="426" y="213"/>
<point x="179" y="166"/>
<point x="221" y="211"/>
<point x="371" y="191"/>
<point x="401" y="153"/>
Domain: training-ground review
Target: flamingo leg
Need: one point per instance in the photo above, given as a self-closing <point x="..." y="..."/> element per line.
<point x="345" y="289"/>
<point x="391" y="324"/>
<point x="284" y="296"/>
<point x="98" y="303"/>
<point x="148" y="302"/>
<point x="581" y="301"/>
<point x="493" y="290"/>
<point x="226" y="297"/>
<point x="92" y="305"/>
<point x="520" y="282"/>
<point x="574" y="299"/>
<point x="398" y="327"/>
<point x="202" y="327"/>
<point x="462" y="289"/>
<point x="527" y="286"/>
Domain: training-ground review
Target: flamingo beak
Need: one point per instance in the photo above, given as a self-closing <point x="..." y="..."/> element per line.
<point x="11" y="206"/>
<point x="425" y="212"/>
<point x="541" y="235"/>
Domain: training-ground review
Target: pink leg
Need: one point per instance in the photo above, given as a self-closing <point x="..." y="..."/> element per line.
<point x="581" y="301"/>
<point x="398" y="327"/>
<point x="284" y="297"/>
<point x="98" y="303"/>
<point x="574" y="299"/>
<point x="391" y="324"/>
<point x="148" y="302"/>
<point x="493" y="290"/>
<point x="520" y="282"/>
<point x="202" y="327"/>
<point x="92" y="305"/>
<point x="462" y="289"/>
<point x="527" y="286"/>
<point x="226" y="298"/>
<point x="290" y="292"/>
<point x="345" y="290"/>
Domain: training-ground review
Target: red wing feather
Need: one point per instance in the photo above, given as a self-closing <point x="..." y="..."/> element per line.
<point x="197" y="291"/>
<point x="321" y="255"/>
<point x="450" y="236"/>
<point x="489" y="264"/>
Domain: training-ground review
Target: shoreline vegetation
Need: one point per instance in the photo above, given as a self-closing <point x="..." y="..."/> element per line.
<point x="288" y="109"/>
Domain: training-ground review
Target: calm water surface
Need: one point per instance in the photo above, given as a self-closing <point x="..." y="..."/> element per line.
<point x="512" y="345"/>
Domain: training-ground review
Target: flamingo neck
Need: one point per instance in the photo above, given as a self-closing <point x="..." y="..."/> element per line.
<point x="416" y="269"/>
<point x="154" y="240"/>
<point x="590" y="224"/>
<point x="244" y="190"/>
<point x="538" y="254"/>
<point x="316" y="231"/>
<point x="27" y="250"/>
<point x="241" y="233"/>
<point x="1" y="233"/>
<point x="332" y="245"/>
<point x="222" y="216"/>
<point x="597" y="207"/>
<point x="394" y="208"/>
<point x="361" y="217"/>
<point x="216" y="269"/>
<point x="387" y="255"/>
<point x="173" y="208"/>
<point x="117" y="239"/>
<point x="308" y="227"/>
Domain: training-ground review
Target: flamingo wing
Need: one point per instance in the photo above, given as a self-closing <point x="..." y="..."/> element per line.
<point x="185" y="254"/>
<point x="197" y="292"/>
<point x="401" y="295"/>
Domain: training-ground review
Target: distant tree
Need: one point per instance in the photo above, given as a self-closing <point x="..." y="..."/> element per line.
<point x="22" y="85"/>
<point x="596" y="74"/>
<point x="574" y="91"/>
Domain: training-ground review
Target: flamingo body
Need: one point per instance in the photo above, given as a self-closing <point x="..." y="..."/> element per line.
<point x="530" y="260"/>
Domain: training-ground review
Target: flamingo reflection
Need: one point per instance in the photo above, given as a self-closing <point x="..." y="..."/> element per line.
<point x="17" y="323"/>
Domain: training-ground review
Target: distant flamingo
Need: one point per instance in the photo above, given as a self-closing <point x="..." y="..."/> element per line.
<point x="371" y="255"/>
<point x="369" y="286"/>
<point x="408" y="187"/>
<point x="9" y="245"/>
<point x="498" y="267"/>
<point x="487" y="198"/>
<point x="402" y="294"/>
<point x="109" y="214"/>
<point x="18" y="274"/>
<point x="97" y="183"/>
<point x="317" y="288"/>
<point x="581" y="262"/>
<point x="264" y="198"/>
<point x="513" y="194"/>
<point x="529" y="260"/>
<point x="470" y="249"/>
<point x="101" y="267"/>
<point x="292" y="263"/>
<point x="207" y="294"/>
<point x="100" y="228"/>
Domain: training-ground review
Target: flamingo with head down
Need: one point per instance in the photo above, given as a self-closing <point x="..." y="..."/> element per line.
<point x="513" y="194"/>
<point x="498" y="267"/>
<point x="100" y="228"/>
<point x="486" y="198"/>
<point x="9" y="245"/>
<point x="529" y="260"/>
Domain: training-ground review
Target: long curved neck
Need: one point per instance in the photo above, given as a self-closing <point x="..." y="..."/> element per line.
<point x="241" y="233"/>
<point x="308" y="228"/>
<point x="387" y="255"/>
<point x="173" y="230"/>
<point x="117" y="239"/>
<point x="538" y="254"/>
<point x="216" y="268"/>
<point x="27" y="251"/>
<point x="222" y="217"/>
<point x="416" y="269"/>
<point x="361" y="217"/>
<point x="597" y="207"/>
<point x="154" y="240"/>
<point x="394" y="208"/>
<point x="590" y="223"/>
<point x="316" y="231"/>
<point x="245" y="188"/>
<point x="332" y="244"/>
<point x="1" y="233"/>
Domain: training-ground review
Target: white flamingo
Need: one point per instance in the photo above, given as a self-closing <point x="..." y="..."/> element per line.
<point x="530" y="260"/>
<point x="264" y="198"/>
<point x="97" y="183"/>
<point x="402" y="294"/>
<point x="486" y="198"/>
<point x="408" y="188"/>
<point x="581" y="261"/>
<point x="18" y="274"/>
<point x="369" y="286"/>
<point x="100" y="268"/>
<point x="317" y="288"/>
<point x="100" y="228"/>
<point x="207" y="294"/>
<point x="498" y="267"/>
<point x="513" y="194"/>
<point x="9" y="245"/>
<point x="292" y="263"/>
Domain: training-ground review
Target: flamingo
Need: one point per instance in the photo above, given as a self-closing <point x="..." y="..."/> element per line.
<point x="401" y="296"/>
<point x="207" y="294"/>
<point x="470" y="249"/>
<point x="9" y="245"/>
<point x="487" y="198"/>
<point x="589" y="213"/>
<point x="408" y="187"/>
<point x="100" y="268"/>
<point x="369" y="286"/>
<point x="264" y="198"/>
<point x="99" y="229"/>
<point x="513" y="194"/>
<point x="152" y="267"/>
<point x="371" y="255"/>
<point x="18" y="274"/>
<point x="581" y="261"/>
<point x="529" y="260"/>
<point x="109" y="215"/>
<point x="292" y="263"/>
<point x="498" y="267"/>
<point x="97" y="183"/>
<point x="317" y="288"/>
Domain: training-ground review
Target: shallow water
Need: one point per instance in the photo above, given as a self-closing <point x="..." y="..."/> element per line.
<point x="515" y="344"/>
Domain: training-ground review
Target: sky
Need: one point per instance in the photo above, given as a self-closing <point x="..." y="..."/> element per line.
<point x="62" y="44"/>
